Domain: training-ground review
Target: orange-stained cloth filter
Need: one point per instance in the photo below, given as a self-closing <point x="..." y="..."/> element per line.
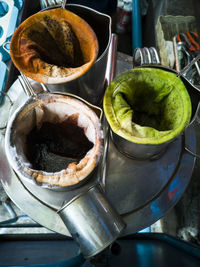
<point x="54" y="46"/>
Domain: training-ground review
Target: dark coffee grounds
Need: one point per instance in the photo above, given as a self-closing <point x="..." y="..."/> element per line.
<point x="54" y="146"/>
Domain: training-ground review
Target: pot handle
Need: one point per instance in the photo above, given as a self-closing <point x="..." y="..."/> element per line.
<point x="143" y="56"/>
<point x="195" y="125"/>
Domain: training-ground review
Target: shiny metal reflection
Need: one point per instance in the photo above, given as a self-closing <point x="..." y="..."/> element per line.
<point x="139" y="151"/>
<point x="92" y="221"/>
<point x="145" y="55"/>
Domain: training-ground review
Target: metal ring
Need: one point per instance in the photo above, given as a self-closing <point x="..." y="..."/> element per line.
<point x="145" y="55"/>
<point x="138" y="57"/>
<point x="154" y="55"/>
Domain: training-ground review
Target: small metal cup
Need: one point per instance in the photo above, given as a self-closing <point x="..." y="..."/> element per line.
<point x="92" y="221"/>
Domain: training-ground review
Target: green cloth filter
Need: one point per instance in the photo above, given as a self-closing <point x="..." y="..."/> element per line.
<point x="147" y="106"/>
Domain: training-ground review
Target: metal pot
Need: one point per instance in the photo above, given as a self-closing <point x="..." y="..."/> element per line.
<point x="53" y="108"/>
<point x="146" y="151"/>
<point x="92" y="84"/>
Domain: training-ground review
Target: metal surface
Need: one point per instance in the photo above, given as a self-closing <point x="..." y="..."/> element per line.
<point x="143" y="179"/>
<point x="98" y="222"/>
<point x="141" y="191"/>
<point x="49" y="3"/>
<point x="110" y="73"/>
<point x="138" y="151"/>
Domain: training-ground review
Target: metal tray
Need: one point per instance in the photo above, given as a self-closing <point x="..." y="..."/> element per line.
<point x="141" y="191"/>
